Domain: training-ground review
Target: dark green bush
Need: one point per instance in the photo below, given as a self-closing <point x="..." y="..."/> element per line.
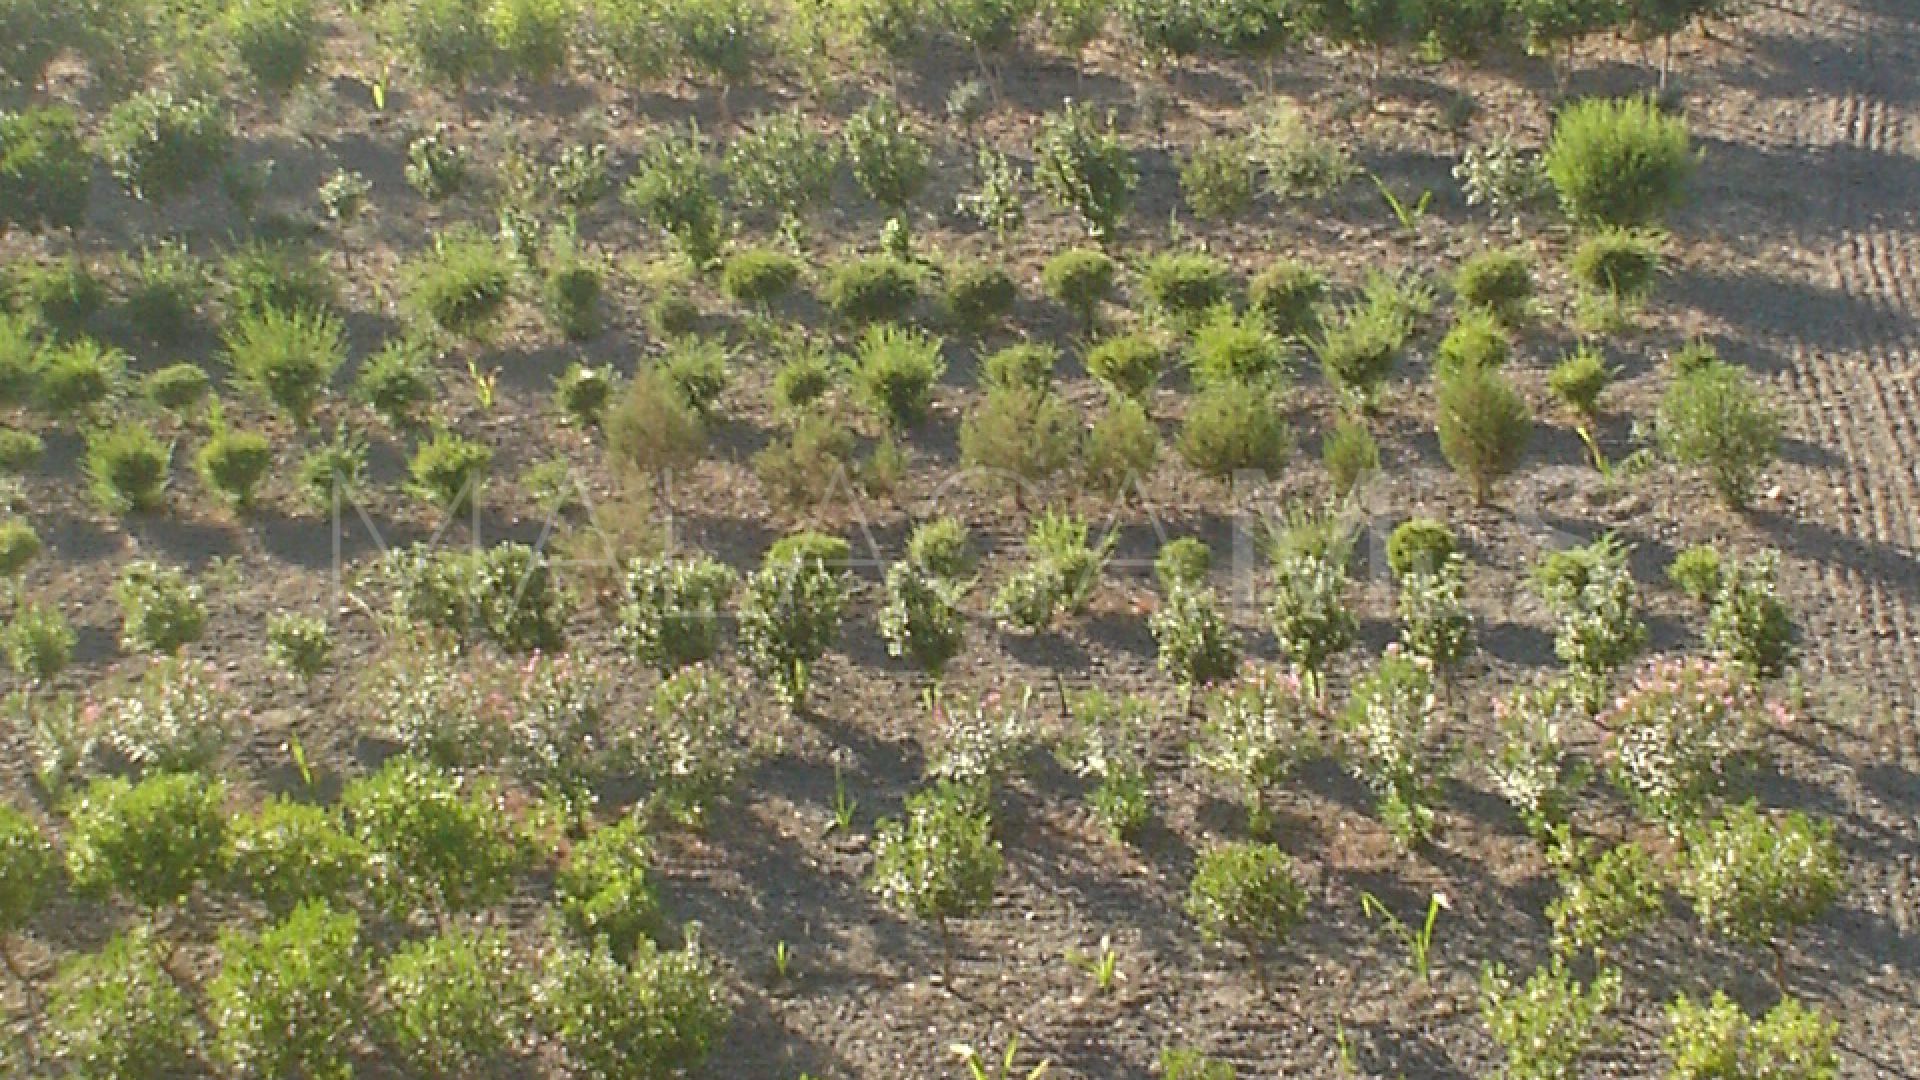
<point x="1129" y="365"/>
<point x="1018" y="435"/>
<point x="398" y="382"/>
<point x="462" y="285"/>
<point x="164" y="296"/>
<point x="1233" y="348"/>
<point x="45" y="170"/>
<point x="894" y="373"/>
<point x="159" y="147"/>
<point x="31" y="869"/>
<point x="152" y="842"/>
<point x="276" y="40"/>
<point x="449" y="41"/>
<point x="781" y="166"/>
<point x="63" y="294"/>
<point x="1081" y="279"/>
<point x="581" y="393"/>
<point x="1476" y="339"/>
<point x="162" y="611"/>
<point x="1619" y="262"/>
<point x="887" y="158"/>
<point x="279" y="276"/>
<point x="805" y="378"/>
<point x="19" y="450"/>
<point x="1217" y="178"/>
<point x="76" y="379"/>
<point x="570" y="292"/>
<point x="979" y="294"/>
<point x="676" y="189"/>
<point x="1359" y="347"/>
<point x="233" y="463"/>
<point x="1420" y="545"/>
<point x="118" y="1013"/>
<point x="941" y="548"/>
<point x="1122" y="447"/>
<point x="177" y="388"/>
<point x="1618" y="162"/>
<point x="1579" y="380"/>
<point x="700" y="369"/>
<point x="652" y="428"/>
<point x="1186" y="285"/>
<point x="1288" y="292"/>
<point x="1229" y="429"/>
<point x="438" y="843"/>
<point x="448" y="471"/>
<point x="1082" y="166"/>
<point x="874" y="288"/>
<point x="127" y="467"/>
<point x="1497" y="280"/>
<point x="19" y="357"/>
<point x="288" y="359"/>
<point x="1246" y="893"/>
<point x="760" y="276"/>
<point x="1021" y="365"/>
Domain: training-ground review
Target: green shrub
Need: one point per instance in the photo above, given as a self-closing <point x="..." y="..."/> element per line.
<point x="875" y="288"/>
<point x="652" y="428"/>
<point x="19" y="546"/>
<point x="1122" y="447"/>
<point x="1618" y="162"/>
<point x="671" y="614"/>
<point x="1186" y="285"/>
<point x="263" y="275"/>
<point x="275" y="40"/>
<point x="19" y="450"/>
<point x="1695" y="355"/>
<point x="159" y="148"/>
<point x="940" y="548"/>
<point x="151" y="842"/>
<point x="31" y="869"/>
<point x="1230" y="429"/>
<point x="1476" y="339"/>
<point x="789" y="616"/>
<point x="1621" y="263"/>
<point x="1129" y="365"/>
<point x="1081" y="279"/>
<point x="1484" y="427"/>
<point x="1420" y="545"/>
<point x="1195" y="644"/>
<point x="570" y="292"/>
<point x="456" y="1003"/>
<point x="233" y="463"/>
<point x="19" y="357"/>
<point x="699" y="370"/>
<point x="398" y="382"/>
<point x="1288" y="293"/>
<point x="287" y="853"/>
<point x="888" y="159"/>
<point x="805" y="378"/>
<point x="979" y="294"/>
<point x="1217" y="178"/>
<point x="810" y="464"/>
<point x="675" y="189"/>
<point x="581" y="393"/>
<point x="437" y="843"/>
<point x="780" y="166"/>
<point x="1757" y="879"/>
<point x="162" y="610"/>
<point x="1063" y="570"/>
<point x="655" y="1014"/>
<point x="63" y="293"/>
<point x="1749" y="624"/>
<point x="1234" y="349"/>
<point x="605" y="894"/>
<point x="45" y="170"/>
<point x="921" y="619"/>
<point x="1185" y="1063"/>
<point x="760" y="276"/>
<point x="938" y="860"/>
<point x="1613" y="898"/>
<point x="1358" y="348"/>
<point x="118" y="1014"/>
<point x="1350" y="455"/>
<point x="1017" y="436"/>
<point x="1299" y="162"/>
<point x="288" y="359"/>
<point x="288" y="999"/>
<point x="1579" y="380"/>
<point x="165" y="293"/>
<point x="505" y="594"/>
<point x="1680" y="735"/>
<point x="1716" y="419"/>
<point x="299" y="644"/>
<point x="1082" y="166"/>
<point x="1697" y="572"/>
<point x="462" y="285"/>
<point x="1246" y="893"/>
<point x="449" y="41"/>
<point x="1027" y="365"/>
<point x="127" y="469"/>
<point x="1718" y="1041"/>
<point x="332" y="471"/>
<point x="1391" y="734"/>
<point x="448" y="472"/>
<point x="38" y="642"/>
<point x="77" y="378"/>
<point x="436" y="167"/>
<point x="894" y="371"/>
<point x="727" y="39"/>
<point x="1497" y="280"/>
<point x="1547" y="1026"/>
<point x="530" y="36"/>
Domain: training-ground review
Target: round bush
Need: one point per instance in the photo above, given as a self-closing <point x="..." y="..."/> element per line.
<point x="233" y="463"/>
<point x="978" y="294"/>
<point x="275" y="40"/>
<point x="286" y="358"/>
<point x="1618" y="162"/>
<point x="1186" y="284"/>
<point x="127" y="468"/>
<point x="1129" y="365"/>
<point x="151" y="842"/>
<point x="876" y="288"/>
<point x="1232" y="428"/>
<point x="462" y="285"/>
<point x="1288" y="292"/>
<point x="1619" y="262"/>
<point x="1476" y="339"/>
<point x="1081" y="279"/>
<point x="1500" y="281"/>
<point x="1420" y="545"/>
<point x="759" y="276"/>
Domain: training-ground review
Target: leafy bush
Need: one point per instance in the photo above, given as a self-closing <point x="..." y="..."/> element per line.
<point x="1028" y="366"/>
<point x="505" y="593"/>
<point x="287" y="853"/>
<point x="1476" y="339"/>
<point x="789" y="617"/>
<point x="1420" y="544"/>
<point x="979" y="294"/>
<point x="938" y="860"/>
<point x="1547" y="1025"/>
<point x="675" y="188"/>
<point x="162" y="611"/>
<point x="530" y="36"/>
<point x="1083" y="167"/>
<point x="1217" y="178"/>
<point x="1484" y="427"/>
<point x="1756" y="879"/>
<point x="781" y="166"/>
<point x="233" y="463"/>
<point x="275" y="41"/>
<point x="118" y="1013"/>
<point x="1129" y="365"/>
<point x="921" y="619"/>
<point x="571" y="290"/>
<point x="19" y="357"/>
<point x="671" y="613"/>
<point x="1256" y="730"/>
<point x="62" y="293"/>
<point x="1063" y="569"/>
<point x="1358" y="346"/>
<point x="759" y="276"/>
<point x="398" y="382"/>
<point x="656" y="1014"/>
<point x="436" y="842"/>
<point x="38" y="642"/>
<point x="151" y="842"/>
<point x="1018" y="436"/>
<point x="159" y="147"/>
<point x="805" y="378"/>
<point x="280" y="275"/>
<point x="998" y="203"/>
<point x="1122" y="447"/>
<point x="1435" y="625"/>
<point x="1718" y="1041"/>
<point x="77" y="378"/>
<point x="1679" y="736"/>
<point x="19" y="546"/>
<point x="1234" y="349"/>
<point x="1106" y="744"/>
<point x="287" y="1000"/>
<point x="1392" y="729"/>
<point x="178" y="718"/>
<point x="332" y="471"/>
<point x="1749" y="624"/>
<point x="45" y="170"/>
<point x="1350" y="455"/>
<point x="1621" y="263"/>
<point x="604" y="891"/>
<point x="1310" y="617"/>
<point x="813" y="462"/>
<point x="19" y="450"/>
<point x="1246" y="893"/>
<point x="30" y="869"/>
<point x="887" y="158"/>
<point x="448" y="471"/>
<point x="1590" y="590"/>
<point x="1609" y="900"/>
<point x="1579" y="380"/>
<point x="699" y="370"/>
<point x="1288" y="292"/>
<point x="1230" y="429"/>
<point x="1182" y="563"/>
<point x="1196" y="645"/>
<point x="894" y="370"/>
<point x="437" y="167"/>
<point x="1714" y="418"/>
<point x="1186" y="285"/>
<point x="651" y="427"/>
<point x="1618" y="162"/>
<point x="876" y="288"/>
<point x="1697" y="573"/>
<point x="1502" y="178"/>
<point x="1499" y="280"/>
<point x="1081" y="279"/>
<point x="449" y="41"/>
<point x="456" y="1003"/>
<point x="940" y="549"/>
<point x="1300" y="163"/>
<point x="165" y="293"/>
<point x="462" y="285"/>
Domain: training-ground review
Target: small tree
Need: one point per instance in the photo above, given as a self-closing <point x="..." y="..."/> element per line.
<point x="1756" y="880"/>
<point x="789" y="617"/>
<point x="1246" y="893"/>
<point x="1311" y="619"/>
<point x="1255" y="731"/>
<point x="939" y="860"/>
<point x="675" y="189"/>
<point x="887" y="158"/>
<point x="1085" y="168"/>
<point x="1547" y="1025"/>
<point x="1484" y="426"/>
<point x="1714" y="418"/>
<point x="1392" y="727"/>
<point x="1062" y="572"/>
<point x="1749" y="624"/>
<point x="604" y="888"/>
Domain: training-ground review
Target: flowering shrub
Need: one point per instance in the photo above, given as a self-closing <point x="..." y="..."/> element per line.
<point x="939" y="859"/>
<point x="1310" y="616"/>
<point x="151" y="842"/>
<point x="556" y="723"/>
<point x="1611" y="899"/>
<point x="1749" y="624"/>
<point x="118" y="1013"/>
<point x="456" y="1003"/>
<point x="163" y="610"/>
<point x="422" y="695"/>
<point x="287" y="853"/>
<point x="1435" y="624"/>
<point x="28" y="869"/>
<point x="1256" y="730"/>
<point x="287" y="1000"/>
<point x="1062" y="571"/>
<point x="302" y="644"/>
<point x="1106" y="744"/>
<point x="1392" y="729"/>
<point x="671" y="615"/>
<point x="1529" y="766"/>
<point x="1547" y="1025"/>
<point x="605" y="894"/>
<point x="979" y="740"/>
<point x="1678" y="735"/>
<point x="1590" y="590"/>
<point x="657" y="1013"/>
<point x="789" y="617"/>
<point x="436" y="842"/>
<point x="179" y="718"/>
<point x="1197" y="646"/>
<point x="922" y="619"/>
<point x="688" y="743"/>
<point x="505" y="594"/>
<point x="1718" y="1040"/>
<point x="1755" y="879"/>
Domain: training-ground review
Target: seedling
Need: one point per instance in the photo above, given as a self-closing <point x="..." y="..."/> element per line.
<point x="1104" y="965"/>
<point x="1419" y="944"/>
<point x="978" y="1070"/>
<point x="1409" y="216"/>
<point x="843" y="804"/>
